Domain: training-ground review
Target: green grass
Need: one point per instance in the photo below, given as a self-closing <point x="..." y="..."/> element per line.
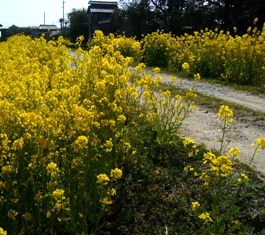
<point x="156" y="194"/>
<point x="254" y="90"/>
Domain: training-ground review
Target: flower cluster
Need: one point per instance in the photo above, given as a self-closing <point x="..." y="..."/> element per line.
<point x="128" y="47"/>
<point x="157" y="48"/>
<point x="206" y="217"/>
<point x="105" y="185"/>
<point x="116" y="173"/>
<point x="225" y="113"/>
<point x="260" y="143"/>
<point x="2" y="232"/>
<point x="103" y="179"/>
<point x="191" y="147"/>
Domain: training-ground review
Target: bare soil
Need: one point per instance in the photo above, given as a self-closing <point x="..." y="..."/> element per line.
<point x="203" y="127"/>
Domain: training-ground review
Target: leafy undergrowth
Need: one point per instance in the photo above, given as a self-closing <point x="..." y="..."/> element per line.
<point x="157" y="194"/>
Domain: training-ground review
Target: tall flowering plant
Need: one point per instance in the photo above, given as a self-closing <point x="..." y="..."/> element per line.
<point x="215" y="205"/>
<point x="68" y="129"/>
<point x="61" y="121"/>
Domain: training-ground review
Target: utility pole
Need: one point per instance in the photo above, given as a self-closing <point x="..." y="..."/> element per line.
<point x="63" y="14"/>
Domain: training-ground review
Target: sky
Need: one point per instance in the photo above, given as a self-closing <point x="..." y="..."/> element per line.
<point x="30" y="13"/>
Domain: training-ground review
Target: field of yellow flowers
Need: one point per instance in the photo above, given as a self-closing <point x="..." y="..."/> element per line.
<point x="212" y="53"/>
<point x="68" y="127"/>
<point x="81" y="137"/>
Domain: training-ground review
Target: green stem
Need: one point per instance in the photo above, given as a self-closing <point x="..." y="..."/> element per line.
<point x="253" y="155"/>
<point x="222" y="140"/>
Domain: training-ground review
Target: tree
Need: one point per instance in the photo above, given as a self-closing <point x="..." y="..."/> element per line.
<point x="236" y="13"/>
<point x="135" y="18"/>
<point x="78" y="20"/>
<point x="61" y="20"/>
<point x="179" y="16"/>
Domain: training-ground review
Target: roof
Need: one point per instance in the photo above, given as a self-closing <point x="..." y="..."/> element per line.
<point x="102" y="6"/>
<point x="102" y="2"/>
<point x="48" y="27"/>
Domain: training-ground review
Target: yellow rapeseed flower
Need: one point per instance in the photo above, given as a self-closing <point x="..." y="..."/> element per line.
<point x="189" y="142"/>
<point x="116" y="173"/>
<point x="206" y="217"/>
<point x="2" y="231"/>
<point x="38" y="197"/>
<point x="195" y="205"/>
<point x="108" y="145"/>
<point x="121" y="119"/>
<point x="260" y="142"/>
<point x="166" y="93"/>
<point x="156" y="70"/>
<point x="18" y="144"/>
<point x="27" y="216"/>
<point x="186" y="67"/>
<point x="147" y="95"/>
<point x="139" y="67"/>
<point x="12" y="214"/>
<point x="82" y="141"/>
<point x="208" y="157"/>
<point x="225" y="113"/>
<point x="243" y="178"/>
<point x="197" y="76"/>
<point x="112" y="192"/>
<point x="103" y="179"/>
<point x="188" y="168"/>
<point x="58" y="194"/>
<point x="235" y="151"/>
<point x="52" y="168"/>
<point x="173" y="79"/>
<point x="9" y="169"/>
<point x="106" y="201"/>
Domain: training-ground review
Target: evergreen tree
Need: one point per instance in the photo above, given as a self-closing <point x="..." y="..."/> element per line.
<point x="78" y="20"/>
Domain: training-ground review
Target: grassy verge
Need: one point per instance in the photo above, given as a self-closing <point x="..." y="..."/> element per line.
<point x="254" y="90"/>
<point x="157" y="194"/>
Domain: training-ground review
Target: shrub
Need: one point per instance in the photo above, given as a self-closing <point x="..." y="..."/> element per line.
<point x="157" y="48"/>
<point x="128" y="47"/>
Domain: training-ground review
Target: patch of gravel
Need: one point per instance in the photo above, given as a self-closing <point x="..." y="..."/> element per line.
<point x="202" y="125"/>
<point x="229" y="94"/>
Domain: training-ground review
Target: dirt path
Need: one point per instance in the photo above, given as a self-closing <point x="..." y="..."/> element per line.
<point x="202" y="125"/>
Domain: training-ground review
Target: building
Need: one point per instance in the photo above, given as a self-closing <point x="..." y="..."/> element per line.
<point x="7" y="32"/>
<point x="45" y="29"/>
<point x="53" y="29"/>
<point x="100" y="16"/>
